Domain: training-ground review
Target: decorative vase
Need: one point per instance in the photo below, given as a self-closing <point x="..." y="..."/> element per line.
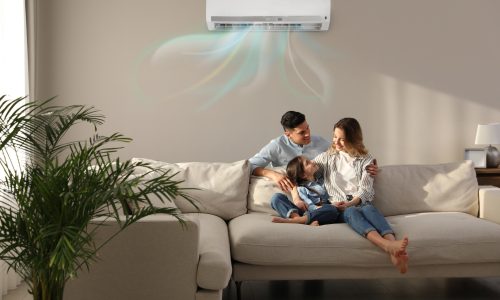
<point x="492" y="157"/>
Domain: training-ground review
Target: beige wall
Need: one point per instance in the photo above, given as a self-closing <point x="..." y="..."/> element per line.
<point x="419" y="75"/>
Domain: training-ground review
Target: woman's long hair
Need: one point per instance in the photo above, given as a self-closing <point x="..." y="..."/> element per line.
<point x="353" y="137"/>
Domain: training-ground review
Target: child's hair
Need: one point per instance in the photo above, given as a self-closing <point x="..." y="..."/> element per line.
<point x="353" y="137"/>
<point x="295" y="172"/>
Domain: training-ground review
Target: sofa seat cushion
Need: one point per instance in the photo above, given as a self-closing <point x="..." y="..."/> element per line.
<point x="435" y="238"/>
<point x="214" y="266"/>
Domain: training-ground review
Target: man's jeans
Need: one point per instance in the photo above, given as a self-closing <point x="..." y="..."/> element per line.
<point x="365" y="218"/>
<point x="326" y="214"/>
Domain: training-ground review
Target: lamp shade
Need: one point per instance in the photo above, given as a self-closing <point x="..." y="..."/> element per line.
<point x="488" y="134"/>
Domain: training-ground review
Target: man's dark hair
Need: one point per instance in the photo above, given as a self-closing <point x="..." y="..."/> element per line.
<point x="292" y="119"/>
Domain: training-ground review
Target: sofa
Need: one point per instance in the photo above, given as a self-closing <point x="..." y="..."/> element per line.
<point x="453" y="227"/>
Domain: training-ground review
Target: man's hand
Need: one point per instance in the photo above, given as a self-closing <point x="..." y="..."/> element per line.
<point x="282" y="181"/>
<point x="372" y="168"/>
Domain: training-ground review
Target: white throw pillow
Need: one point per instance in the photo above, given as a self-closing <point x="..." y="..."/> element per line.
<point x="405" y="189"/>
<point x="260" y="192"/>
<point x="219" y="188"/>
<point x="154" y="199"/>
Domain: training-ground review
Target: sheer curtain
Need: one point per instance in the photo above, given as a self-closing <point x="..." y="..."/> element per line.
<point x="13" y="81"/>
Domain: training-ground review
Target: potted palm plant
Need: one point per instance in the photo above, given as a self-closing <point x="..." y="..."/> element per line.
<point x="48" y="200"/>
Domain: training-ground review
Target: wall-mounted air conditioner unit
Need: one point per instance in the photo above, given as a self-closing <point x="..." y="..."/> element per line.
<point x="268" y="15"/>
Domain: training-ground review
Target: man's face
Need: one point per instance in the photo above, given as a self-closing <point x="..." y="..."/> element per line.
<point x="300" y="135"/>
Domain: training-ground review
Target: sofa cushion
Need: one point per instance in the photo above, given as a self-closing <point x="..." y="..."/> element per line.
<point x="260" y="191"/>
<point x="214" y="266"/>
<point x="404" y="189"/>
<point x="220" y="188"/>
<point x="435" y="238"/>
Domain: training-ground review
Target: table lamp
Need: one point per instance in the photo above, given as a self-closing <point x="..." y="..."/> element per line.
<point x="487" y="135"/>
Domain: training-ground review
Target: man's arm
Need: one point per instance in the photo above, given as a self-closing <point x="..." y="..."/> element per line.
<point x="281" y="179"/>
<point x="259" y="162"/>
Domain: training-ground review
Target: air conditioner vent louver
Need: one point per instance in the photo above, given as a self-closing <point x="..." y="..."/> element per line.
<point x="268" y="15"/>
<point x="267" y="27"/>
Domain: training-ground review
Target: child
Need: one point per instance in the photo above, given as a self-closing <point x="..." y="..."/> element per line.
<point x="309" y="188"/>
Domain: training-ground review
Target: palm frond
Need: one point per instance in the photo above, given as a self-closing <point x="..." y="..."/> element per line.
<point x="47" y="206"/>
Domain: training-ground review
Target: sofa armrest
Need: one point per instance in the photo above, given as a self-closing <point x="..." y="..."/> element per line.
<point x="148" y="260"/>
<point x="489" y="203"/>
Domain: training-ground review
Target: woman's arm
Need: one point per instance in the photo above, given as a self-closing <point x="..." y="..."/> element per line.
<point x="365" y="191"/>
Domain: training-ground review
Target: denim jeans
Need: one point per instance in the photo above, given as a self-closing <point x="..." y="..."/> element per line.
<point x="365" y="218"/>
<point x="326" y="214"/>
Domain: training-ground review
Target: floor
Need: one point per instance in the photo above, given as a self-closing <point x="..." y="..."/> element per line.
<point x="408" y="288"/>
<point x="386" y="289"/>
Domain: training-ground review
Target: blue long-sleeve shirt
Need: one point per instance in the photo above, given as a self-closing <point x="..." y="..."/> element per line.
<point x="313" y="193"/>
<point x="279" y="151"/>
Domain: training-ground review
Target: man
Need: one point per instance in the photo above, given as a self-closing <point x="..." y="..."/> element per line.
<point x="296" y="140"/>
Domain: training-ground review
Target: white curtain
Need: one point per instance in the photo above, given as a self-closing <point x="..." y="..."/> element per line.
<point x="14" y="82"/>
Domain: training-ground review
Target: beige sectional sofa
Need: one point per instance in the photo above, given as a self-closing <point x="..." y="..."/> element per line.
<point x="453" y="226"/>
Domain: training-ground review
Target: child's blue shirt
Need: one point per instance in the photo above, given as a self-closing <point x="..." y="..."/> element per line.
<point x="313" y="193"/>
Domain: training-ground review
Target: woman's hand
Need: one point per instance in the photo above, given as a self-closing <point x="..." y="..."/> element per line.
<point x="341" y="205"/>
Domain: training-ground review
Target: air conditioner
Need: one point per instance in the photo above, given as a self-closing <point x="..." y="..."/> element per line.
<point x="268" y="15"/>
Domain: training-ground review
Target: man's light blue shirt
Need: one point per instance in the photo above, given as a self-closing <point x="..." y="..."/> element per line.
<point x="281" y="150"/>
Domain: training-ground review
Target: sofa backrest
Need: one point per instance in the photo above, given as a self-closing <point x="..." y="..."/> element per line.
<point x="220" y="188"/>
<point x="404" y="189"/>
<point x="400" y="189"/>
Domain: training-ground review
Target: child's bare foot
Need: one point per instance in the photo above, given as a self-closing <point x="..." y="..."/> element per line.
<point x="400" y="262"/>
<point x="314" y="223"/>
<point x="280" y="220"/>
<point x="398" y="247"/>
<point x="296" y="220"/>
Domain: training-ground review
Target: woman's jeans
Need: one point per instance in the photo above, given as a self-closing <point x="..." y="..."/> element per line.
<point x="325" y="214"/>
<point x="365" y="218"/>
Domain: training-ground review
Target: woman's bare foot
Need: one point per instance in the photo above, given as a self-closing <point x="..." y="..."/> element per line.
<point x="400" y="262"/>
<point x="398" y="247"/>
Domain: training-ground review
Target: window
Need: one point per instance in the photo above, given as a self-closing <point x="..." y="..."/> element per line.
<point x="13" y="59"/>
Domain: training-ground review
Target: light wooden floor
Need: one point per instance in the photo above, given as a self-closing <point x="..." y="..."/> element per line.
<point x="386" y="289"/>
<point x="407" y="288"/>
